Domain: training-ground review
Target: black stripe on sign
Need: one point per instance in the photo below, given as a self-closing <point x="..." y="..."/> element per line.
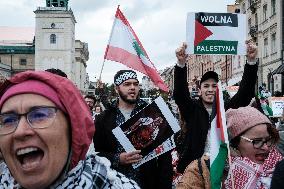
<point x="217" y="19"/>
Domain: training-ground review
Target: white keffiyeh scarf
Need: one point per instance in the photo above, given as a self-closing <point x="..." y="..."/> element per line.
<point x="94" y="172"/>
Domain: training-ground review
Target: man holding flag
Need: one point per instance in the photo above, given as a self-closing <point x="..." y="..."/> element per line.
<point x="197" y="113"/>
<point x="197" y="174"/>
<point x="125" y="47"/>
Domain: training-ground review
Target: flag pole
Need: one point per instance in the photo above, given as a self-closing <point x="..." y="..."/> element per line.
<point x="230" y="163"/>
<point x="225" y="133"/>
<point x="108" y="44"/>
<point x="102" y="70"/>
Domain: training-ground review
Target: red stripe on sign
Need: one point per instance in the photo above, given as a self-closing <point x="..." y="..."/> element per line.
<point x="201" y="33"/>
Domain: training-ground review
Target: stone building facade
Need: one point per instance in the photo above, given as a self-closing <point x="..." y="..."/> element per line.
<point x="265" y="26"/>
<point x="51" y="44"/>
<point x="55" y="40"/>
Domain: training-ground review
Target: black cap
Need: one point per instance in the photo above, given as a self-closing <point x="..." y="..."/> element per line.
<point x="209" y="75"/>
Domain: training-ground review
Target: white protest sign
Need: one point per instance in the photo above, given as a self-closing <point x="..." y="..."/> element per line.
<point x="216" y="33"/>
<point x="150" y="130"/>
<point x="232" y="90"/>
<point x="277" y="105"/>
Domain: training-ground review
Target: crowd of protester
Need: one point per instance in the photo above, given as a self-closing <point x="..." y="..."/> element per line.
<point x="51" y="136"/>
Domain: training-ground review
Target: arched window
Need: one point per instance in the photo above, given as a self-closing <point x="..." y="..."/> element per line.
<point x="52" y="38"/>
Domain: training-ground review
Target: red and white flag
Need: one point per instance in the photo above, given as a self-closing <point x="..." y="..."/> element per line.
<point x="125" y="47"/>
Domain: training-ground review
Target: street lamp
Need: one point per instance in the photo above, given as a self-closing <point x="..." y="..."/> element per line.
<point x="271" y="81"/>
<point x="11" y="51"/>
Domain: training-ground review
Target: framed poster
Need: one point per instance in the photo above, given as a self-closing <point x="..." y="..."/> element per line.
<point x="150" y="131"/>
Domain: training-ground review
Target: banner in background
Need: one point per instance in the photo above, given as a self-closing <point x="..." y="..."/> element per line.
<point x="277" y="105"/>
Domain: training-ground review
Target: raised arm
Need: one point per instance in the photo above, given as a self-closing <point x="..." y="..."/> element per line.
<point x="247" y="86"/>
<point x="181" y="93"/>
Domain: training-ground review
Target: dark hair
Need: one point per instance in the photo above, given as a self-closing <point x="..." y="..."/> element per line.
<point x="57" y="72"/>
<point x="270" y="129"/>
<point x="91" y="97"/>
<point x="97" y="105"/>
<point x="209" y="75"/>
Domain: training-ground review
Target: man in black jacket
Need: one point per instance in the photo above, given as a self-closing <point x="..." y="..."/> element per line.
<point x="278" y="176"/>
<point x="196" y="113"/>
<point x="156" y="173"/>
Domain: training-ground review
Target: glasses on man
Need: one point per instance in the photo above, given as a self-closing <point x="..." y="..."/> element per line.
<point x="38" y="117"/>
<point x="259" y="142"/>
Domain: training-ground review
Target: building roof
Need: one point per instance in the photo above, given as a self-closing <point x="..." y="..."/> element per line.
<point x="9" y="49"/>
<point x="16" y="35"/>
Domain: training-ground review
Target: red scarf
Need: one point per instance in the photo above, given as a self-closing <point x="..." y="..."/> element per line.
<point x="250" y="175"/>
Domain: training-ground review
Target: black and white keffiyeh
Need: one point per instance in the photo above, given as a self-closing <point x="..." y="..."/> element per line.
<point x="94" y="172"/>
<point x="124" y="75"/>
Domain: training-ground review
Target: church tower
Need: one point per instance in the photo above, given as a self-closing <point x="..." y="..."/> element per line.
<point x="55" y="37"/>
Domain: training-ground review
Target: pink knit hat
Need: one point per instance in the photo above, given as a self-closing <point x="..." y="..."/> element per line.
<point x="65" y="95"/>
<point x="242" y="119"/>
<point x="34" y="87"/>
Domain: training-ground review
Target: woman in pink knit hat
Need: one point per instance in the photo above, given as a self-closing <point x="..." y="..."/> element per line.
<point x="45" y="133"/>
<point x="254" y="155"/>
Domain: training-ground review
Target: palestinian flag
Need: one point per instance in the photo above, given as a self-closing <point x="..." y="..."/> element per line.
<point x="218" y="140"/>
<point x="216" y="33"/>
<point x="125" y="47"/>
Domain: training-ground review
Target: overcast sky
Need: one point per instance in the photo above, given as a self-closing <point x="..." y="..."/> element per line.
<point x="159" y="24"/>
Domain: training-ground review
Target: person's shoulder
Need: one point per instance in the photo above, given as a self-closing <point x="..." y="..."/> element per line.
<point x="280" y="164"/>
<point x="103" y="116"/>
<point x="101" y="166"/>
<point x="198" y="103"/>
<point x="141" y="103"/>
<point x="5" y="177"/>
<point x="108" y="110"/>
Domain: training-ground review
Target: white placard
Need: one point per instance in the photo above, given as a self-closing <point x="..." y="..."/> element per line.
<point x="150" y="130"/>
<point x="216" y="33"/>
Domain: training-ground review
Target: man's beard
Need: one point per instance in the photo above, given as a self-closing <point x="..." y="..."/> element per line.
<point x="124" y="98"/>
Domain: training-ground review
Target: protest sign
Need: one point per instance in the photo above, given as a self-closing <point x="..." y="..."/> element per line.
<point x="232" y="90"/>
<point x="216" y="33"/>
<point x="150" y="131"/>
<point x="277" y="105"/>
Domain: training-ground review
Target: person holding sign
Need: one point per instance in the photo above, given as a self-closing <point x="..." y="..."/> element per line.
<point x="197" y="112"/>
<point x="156" y="173"/>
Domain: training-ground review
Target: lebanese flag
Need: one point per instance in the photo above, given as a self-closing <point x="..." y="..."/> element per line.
<point x="218" y="140"/>
<point x="125" y="47"/>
